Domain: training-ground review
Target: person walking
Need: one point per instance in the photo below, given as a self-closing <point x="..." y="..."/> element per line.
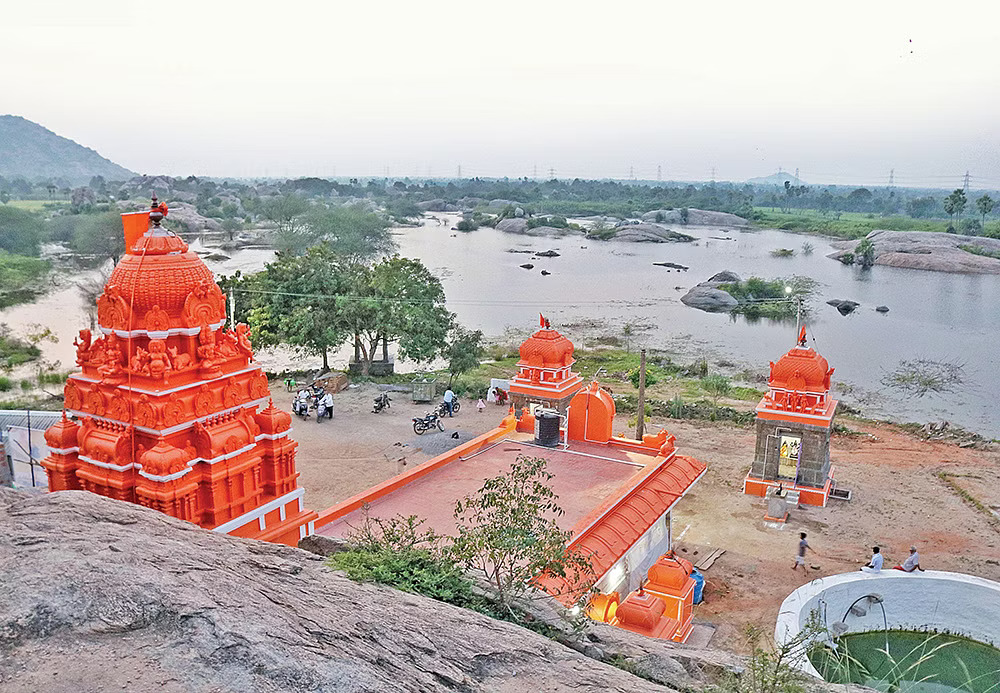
<point x="480" y="405"/>
<point x="911" y="563"/>
<point x="449" y="401"/>
<point x="800" y="557"/>
<point x="876" y="562"/>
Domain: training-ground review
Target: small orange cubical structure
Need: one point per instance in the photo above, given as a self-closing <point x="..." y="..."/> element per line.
<point x="794" y="423"/>
<point x="662" y="607"/>
<point x="544" y="372"/>
<point x="616" y="494"/>
<point x="169" y="409"/>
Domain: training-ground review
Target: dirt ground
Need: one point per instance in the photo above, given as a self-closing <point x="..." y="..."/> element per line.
<point x="898" y="498"/>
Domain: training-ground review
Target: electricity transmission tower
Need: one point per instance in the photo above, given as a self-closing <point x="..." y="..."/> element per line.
<point x="659" y="173"/>
<point x="965" y="184"/>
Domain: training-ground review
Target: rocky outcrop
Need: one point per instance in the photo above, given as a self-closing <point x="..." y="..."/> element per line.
<point x="648" y="233"/>
<point x="940" y="252"/>
<point x="183" y="213"/>
<point x="106" y="595"/>
<point x="696" y="217"/>
<point x="709" y="297"/>
<point x="437" y="205"/>
<point x="519" y="225"/>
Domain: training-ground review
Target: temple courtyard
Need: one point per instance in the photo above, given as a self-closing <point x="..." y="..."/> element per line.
<point x="894" y="477"/>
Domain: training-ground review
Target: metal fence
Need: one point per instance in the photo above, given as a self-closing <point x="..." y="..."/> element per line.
<point x="22" y="434"/>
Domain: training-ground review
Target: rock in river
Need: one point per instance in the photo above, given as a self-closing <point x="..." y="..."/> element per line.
<point x="844" y="307"/>
<point x="882" y="309"/>
<point x="708" y="296"/>
<point x="527" y="265"/>
<point x="547" y="253"/>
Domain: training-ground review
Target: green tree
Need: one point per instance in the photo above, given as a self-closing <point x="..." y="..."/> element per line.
<point x="717" y="386"/>
<point x="508" y="531"/>
<point x="295" y="301"/>
<point x="627" y="333"/>
<point x="395" y="300"/>
<point x="20" y="231"/>
<point x="287" y="212"/>
<point x="984" y="205"/>
<point x="463" y="351"/>
<point x="864" y="253"/>
<point x="954" y="204"/>
<point x="100" y="235"/>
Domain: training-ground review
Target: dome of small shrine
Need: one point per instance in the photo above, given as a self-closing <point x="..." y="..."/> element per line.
<point x="802" y="368"/>
<point x="547" y="349"/>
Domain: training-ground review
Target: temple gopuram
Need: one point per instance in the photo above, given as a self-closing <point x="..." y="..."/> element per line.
<point x="169" y="409"/>
<point x="794" y="423"/>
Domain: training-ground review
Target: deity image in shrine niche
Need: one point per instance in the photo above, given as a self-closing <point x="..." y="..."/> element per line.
<point x="207" y="352"/>
<point x="788" y="457"/>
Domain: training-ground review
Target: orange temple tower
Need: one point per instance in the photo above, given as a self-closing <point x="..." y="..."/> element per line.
<point x="170" y="410"/>
<point x="794" y="423"/>
<point x="544" y="371"/>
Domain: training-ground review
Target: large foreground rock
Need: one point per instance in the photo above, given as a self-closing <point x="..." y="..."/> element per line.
<point x="105" y="595"/>
<point x="696" y="217"/>
<point x="939" y="252"/>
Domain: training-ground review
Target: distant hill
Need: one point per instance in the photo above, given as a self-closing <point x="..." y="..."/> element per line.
<point x="29" y="150"/>
<point x="776" y="179"/>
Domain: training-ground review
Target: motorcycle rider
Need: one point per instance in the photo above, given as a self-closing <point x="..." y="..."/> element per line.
<point x="300" y="405"/>
<point x="326" y="405"/>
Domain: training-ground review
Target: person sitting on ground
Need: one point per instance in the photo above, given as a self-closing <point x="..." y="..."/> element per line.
<point x="800" y="558"/>
<point x="449" y="401"/>
<point x="875" y="564"/>
<point x="911" y="563"/>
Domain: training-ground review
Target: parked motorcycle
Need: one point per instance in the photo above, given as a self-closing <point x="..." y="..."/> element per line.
<point x="427" y="422"/>
<point x="302" y="405"/>
<point x="442" y="409"/>
<point x="381" y="402"/>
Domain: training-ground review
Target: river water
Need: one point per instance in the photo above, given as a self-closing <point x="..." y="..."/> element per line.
<point x="598" y="287"/>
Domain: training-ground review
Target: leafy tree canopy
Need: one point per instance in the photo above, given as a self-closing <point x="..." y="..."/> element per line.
<point x="20" y="231"/>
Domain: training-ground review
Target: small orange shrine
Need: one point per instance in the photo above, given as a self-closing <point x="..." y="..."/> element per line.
<point x="794" y="424"/>
<point x="169" y="409"/>
<point x="544" y="372"/>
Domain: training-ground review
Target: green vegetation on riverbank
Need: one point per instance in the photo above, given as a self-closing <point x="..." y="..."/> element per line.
<point x="849" y="225"/>
<point x="21" y="278"/>
<point x="979" y="250"/>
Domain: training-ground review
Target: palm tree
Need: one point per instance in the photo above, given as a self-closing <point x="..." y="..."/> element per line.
<point x="985" y="205"/>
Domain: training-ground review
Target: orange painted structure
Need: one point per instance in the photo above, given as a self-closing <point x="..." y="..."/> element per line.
<point x="671" y="585"/>
<point x="616" y="493"/>
<point x="544" y="371"/>
<point x="794" y="424"/>
<point x="173" y="413"/>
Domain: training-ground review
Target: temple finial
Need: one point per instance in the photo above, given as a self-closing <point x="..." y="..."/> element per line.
<point x="802" y="336"/>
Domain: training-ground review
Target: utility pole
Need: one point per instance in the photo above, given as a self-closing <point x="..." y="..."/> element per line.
<point x="892" y="177"/>
<point x="552" y="173"/>
<point x="965" y="186"/>
<point x="659" y="172"/>
<point x="640" y="419"/>
<point x="460" y="171"/>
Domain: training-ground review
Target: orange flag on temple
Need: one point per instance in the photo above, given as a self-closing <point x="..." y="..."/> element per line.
<point x="135" y="224"/>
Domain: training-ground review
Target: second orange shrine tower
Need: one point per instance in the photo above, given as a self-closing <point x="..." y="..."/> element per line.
<point x="169" y="409"/>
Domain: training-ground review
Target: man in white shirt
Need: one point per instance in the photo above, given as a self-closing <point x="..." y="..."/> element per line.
<point x="449" y="400"/>
<point x="912" y="562"/>
<point x="875" y="565"/>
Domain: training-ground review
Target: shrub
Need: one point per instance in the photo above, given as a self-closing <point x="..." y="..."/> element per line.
<point x="467" y="225"/>
<point x="847" y="258"/>
<point x="25" y="385"/>
<point x="651" y="377"/>
<point x="6" y="384"/>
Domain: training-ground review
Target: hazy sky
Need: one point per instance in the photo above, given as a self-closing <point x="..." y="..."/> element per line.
<point x="844" y="91"/>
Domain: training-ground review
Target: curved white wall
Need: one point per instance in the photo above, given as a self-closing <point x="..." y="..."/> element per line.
<point x="932" y="600"/>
